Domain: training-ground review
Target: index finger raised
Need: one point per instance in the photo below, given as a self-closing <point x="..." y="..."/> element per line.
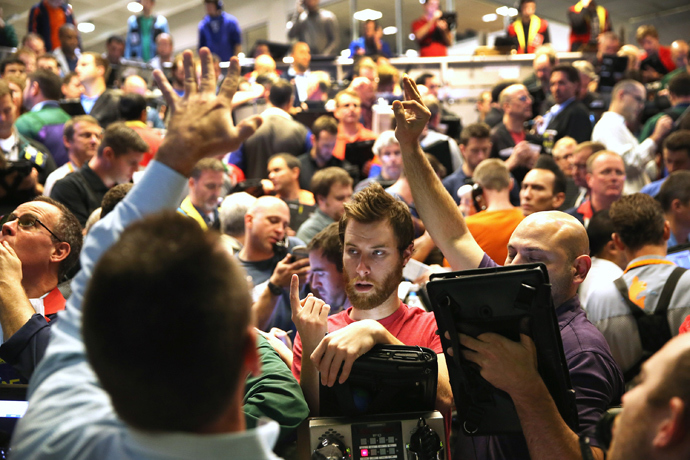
<point x="294" y="294"/>
<point x="232" y="79"/>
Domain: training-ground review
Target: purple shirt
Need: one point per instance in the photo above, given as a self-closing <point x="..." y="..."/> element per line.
<point x="595" y="376"/>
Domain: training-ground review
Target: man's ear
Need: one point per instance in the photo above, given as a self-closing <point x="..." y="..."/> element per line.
<point x="667" y="231"/>
<point x="250" y="355"/>
<point x="108" y="154"/>
<point x="558" y="199"/>
<point x="60" y="252"/>
<point x="582" y="264"/>
<point x="673" y="429"/>
<point x="407" y="253"/>
<point x="618" y="242"/>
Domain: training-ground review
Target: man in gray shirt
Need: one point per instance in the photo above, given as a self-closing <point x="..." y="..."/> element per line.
<point x="317" y="27"/>
<point x="332" y="188"/>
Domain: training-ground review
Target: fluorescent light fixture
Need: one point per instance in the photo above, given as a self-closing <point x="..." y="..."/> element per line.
<point x="489" y="17"/>
<point x="86" y="27"/>
<point x="512" y="12"/>
<point x="503" y="10"/>
<point x="390" y="30"/>
<point x="368" y="14"/>
<point x="135" y="7"/>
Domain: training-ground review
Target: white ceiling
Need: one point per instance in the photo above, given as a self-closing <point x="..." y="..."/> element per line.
<point x="109" y="17"/>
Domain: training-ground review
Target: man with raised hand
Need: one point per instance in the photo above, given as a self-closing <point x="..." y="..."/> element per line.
<point x="116" y="391"/>
<point x="560" y="242"/>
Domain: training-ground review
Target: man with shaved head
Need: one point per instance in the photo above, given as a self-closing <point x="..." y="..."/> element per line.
<point x="266" y="257"/>
<point x="559" y="242"/>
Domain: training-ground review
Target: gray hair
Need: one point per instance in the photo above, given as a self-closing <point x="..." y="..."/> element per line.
<point x="232" y="211"/>
<point x="385" y="139"/>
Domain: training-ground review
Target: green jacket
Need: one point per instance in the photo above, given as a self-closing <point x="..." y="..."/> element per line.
<point x="275" y="393"/>
<point x="675" y="112"/>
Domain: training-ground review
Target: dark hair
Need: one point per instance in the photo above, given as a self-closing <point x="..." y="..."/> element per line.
<point x="68" y="229"/>
<point x="599" y="232"/>
<point x="638" y="220"/>
<point x="679" y="140"/>
<point x="373" y="204"/>
<point x="323" y="180"/>
<point x="290" y="160"/>
<point x="548" y="163"/>
<point x="570" y="72"/>
<point x="680" y="85"/>
<point x="421" y="80"/>
<point x="68" y="78"/>
<point x="498" y="89"/>
<point x="206" y="164"/>
<point x="131" y="106"/>
<point x="324" y="123"/>
<point x="675" y="187"/>
<point x="113" y="196"/>
<point x="328" y="242"/>
<point x="281" y="93"/>
<point x="476" y="130"/>
<point x="68" y="129"/>
<point x="122" y="139"/>
<point x="11" y="59"/>
<point x="115" y="38"/>
<point x="132" y="301"/>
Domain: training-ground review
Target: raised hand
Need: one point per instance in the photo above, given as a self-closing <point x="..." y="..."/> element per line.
<point x="201" y="122"/>
<point x="411" y="115"/>
<point x="310" y="316"/>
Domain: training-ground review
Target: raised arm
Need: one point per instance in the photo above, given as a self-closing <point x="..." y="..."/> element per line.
<point x="438" y="211"/>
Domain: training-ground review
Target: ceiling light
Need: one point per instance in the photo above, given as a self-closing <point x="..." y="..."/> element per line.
<point x="489" y="17"/>
<point x="412" y="37"/>
<point x="503" y="10"/>
<point x="368" y="14"/>
<point x="390" y="30"/>
<point x="512" y="12"/>
<point x="86" y="27"/>
<point x="135" y="7"/>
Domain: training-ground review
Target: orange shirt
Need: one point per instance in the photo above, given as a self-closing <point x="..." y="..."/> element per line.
<point x="362" y="134"/>
<point x="492" y="230"/>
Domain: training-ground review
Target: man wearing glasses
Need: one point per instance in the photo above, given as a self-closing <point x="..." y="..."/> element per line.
<point x="627" y="100"/>
<point x="39" y="244"/>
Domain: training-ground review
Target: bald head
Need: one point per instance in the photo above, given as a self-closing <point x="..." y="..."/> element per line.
<point x="134" y="84"/>
<point x="679" y="53"/>
<point x="560" y="242"/>
<point x="264" y="203"/>
<point x="264" y="64"/>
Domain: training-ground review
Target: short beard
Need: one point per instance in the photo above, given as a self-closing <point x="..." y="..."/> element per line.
<point x="377" y="295"/>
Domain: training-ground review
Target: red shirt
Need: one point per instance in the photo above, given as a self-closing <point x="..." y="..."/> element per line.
<point x="410" y="325"/>
<point x="429" y="46"/>
<point x="363" y="134"/>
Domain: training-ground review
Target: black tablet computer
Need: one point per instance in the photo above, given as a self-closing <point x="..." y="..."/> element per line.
<point x="508" y="301"/>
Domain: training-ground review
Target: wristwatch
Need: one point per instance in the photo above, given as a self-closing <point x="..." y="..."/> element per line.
<point x="275" y="290"/>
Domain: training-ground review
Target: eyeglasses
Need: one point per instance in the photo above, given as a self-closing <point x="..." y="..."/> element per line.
<point x="524" y="98"/>
<point x="28" y="221"/>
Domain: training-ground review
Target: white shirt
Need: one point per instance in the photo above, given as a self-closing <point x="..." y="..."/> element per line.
<point x="611" y="131"/>
<point x="603" y="273"/>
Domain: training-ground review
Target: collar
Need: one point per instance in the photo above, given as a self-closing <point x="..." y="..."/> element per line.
<point x="615" y="115"/>
<point x="136" y="123"/>
<point x="647" y="260"/>
<point x="49" y="304"/>
<point x="275" y="111"/>
<point x="561" y="106"/>
<point x="566" y="311"/>
<point x="43" y="104"/>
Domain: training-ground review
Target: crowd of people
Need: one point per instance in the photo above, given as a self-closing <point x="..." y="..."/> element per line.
<point x="232" y="264"/>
